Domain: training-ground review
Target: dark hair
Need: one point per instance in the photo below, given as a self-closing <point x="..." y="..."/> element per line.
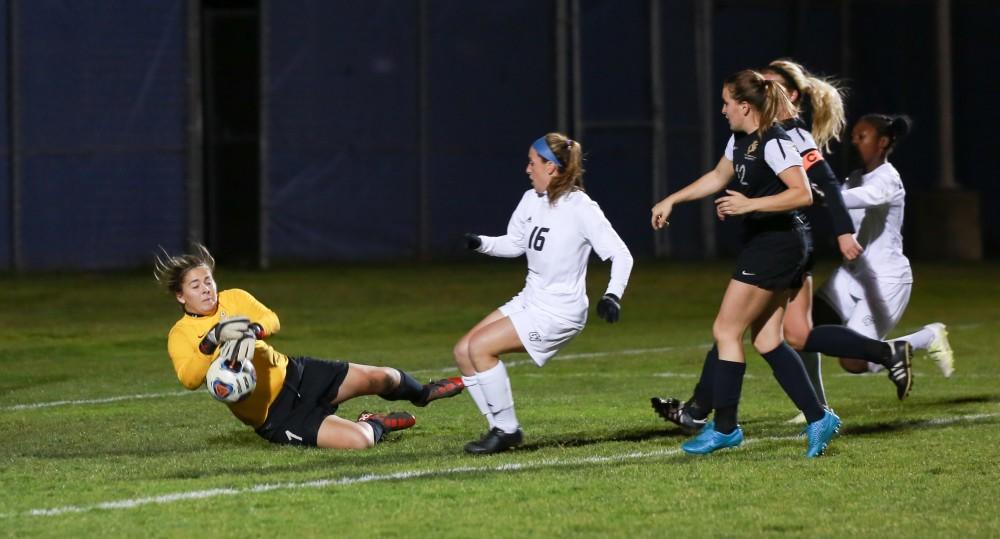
<point x="895" y="127"/>
<point x="767" y="97"/>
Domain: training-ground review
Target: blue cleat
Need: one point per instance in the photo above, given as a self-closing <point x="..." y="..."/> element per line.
<point x="710" y="439"/>
<point x="820" y="433"/>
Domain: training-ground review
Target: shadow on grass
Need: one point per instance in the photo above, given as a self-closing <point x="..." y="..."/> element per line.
<point x="583" y="439"/>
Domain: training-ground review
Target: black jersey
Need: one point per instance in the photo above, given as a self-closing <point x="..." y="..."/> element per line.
<point x="820" y="175"/>
<point x="757" y="161"/>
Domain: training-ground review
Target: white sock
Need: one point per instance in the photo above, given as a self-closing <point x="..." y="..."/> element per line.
<point x="919" y="340"/>
<point x="496" y="388"/>
<point x="476" y="392"/>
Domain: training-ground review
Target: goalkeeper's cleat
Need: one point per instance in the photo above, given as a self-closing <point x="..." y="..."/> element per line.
<point x="711" y="440"/>
<point x="676" y="412"/>
<point x="820" y="432"/>
<point x="440" y="389"/>
<point x="495" y="441"/>
<point x="390" y="421"/>
<point x="940" y="349"/>
<point x="901" y="368"/>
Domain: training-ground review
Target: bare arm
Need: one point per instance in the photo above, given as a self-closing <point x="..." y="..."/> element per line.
<point x="709" y="183"/>
<point x="798" y="195"/>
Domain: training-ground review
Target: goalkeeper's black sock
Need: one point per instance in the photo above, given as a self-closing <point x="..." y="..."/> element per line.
<point x="840" y="341"/>
<point x="727" y="387"/>
<point x="409" y="389"/>
<point x="792" y="377"/>
<point x="378" y="429"/>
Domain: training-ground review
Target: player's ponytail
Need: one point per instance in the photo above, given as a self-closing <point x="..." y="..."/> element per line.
<point x="570" y="175"/>
<point x="824" y="95"/>
<point x="766" y="97"/>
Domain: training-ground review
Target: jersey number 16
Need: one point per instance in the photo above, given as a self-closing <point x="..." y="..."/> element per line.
<point x="536" y="240"/>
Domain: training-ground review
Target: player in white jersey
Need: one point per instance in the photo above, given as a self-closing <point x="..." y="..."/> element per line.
<point x="556" y="225"/>
<point x="870" y="294"/>
<point x="768" y="188"/>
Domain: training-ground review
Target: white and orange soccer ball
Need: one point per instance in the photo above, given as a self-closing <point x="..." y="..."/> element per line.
<point x="230" y="384"/>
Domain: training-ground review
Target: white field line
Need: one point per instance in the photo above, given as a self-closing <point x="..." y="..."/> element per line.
<point x="453" y="370"/>
<point x="131" y="503"/>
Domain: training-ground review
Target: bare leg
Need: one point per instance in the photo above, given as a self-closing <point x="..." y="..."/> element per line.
<point x="339" y="433"/>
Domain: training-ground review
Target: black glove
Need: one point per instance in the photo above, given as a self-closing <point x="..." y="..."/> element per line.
<point x="472" y="241"/>
<point x="226" y="330"/>
<point x="609" y="308"/>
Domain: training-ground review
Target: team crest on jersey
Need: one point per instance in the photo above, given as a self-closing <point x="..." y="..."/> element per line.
<point x="750" y="150"/>
<point x="534" y="337"/>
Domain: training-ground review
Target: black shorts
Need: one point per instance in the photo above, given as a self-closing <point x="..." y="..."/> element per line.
<point x="776" y="260"/>
<point x="304" y="402"/>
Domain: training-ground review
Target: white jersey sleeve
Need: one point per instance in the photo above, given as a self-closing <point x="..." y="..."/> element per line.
<point x="878" y="189"/>
<point x="803" y="139"/>
<point x="781" y="154"/>
<point x="512" y="244"/>
<point x="729" y="147"/>
<point x="607" y="244"/>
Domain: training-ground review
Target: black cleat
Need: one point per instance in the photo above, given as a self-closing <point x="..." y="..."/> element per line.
<point x="440" y="389"/>
<point x="495" y="441"/>
<point x="391" y="421"/>
<point x="674" y="411"/>
<point x="901" y="368"/>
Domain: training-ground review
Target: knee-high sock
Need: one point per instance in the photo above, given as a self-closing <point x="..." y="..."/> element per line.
<point x="840" y="341"/>
<point x="792" y="378"/>
<point x="476" y="392"/>
<point x="499" y="398"/>
<point x="726" y="389"/>
<point x="811" y="361"/>
<point x="409" y="389"/>
<point x="700" y="404"/>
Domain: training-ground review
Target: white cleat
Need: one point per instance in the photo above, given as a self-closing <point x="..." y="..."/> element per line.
<point x="940" y="349"/>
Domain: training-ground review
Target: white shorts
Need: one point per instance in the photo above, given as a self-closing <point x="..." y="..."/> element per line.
<point x="541" y="333"/>
<point x="872" y="307"/>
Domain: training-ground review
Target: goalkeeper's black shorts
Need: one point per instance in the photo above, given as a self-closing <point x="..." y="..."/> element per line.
<point x="304" y="401"/>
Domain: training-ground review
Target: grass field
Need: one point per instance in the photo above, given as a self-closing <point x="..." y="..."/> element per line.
<point x="97" y="437"/>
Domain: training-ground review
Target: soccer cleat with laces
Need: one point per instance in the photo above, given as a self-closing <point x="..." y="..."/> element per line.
<point x="676" y="412"/>
<point x="940" y="349"/>
<point x="901" y="368"/>
<point x="390" y="421"/>
<point x="495" y="441"/>
<point x="710" y="440"/>
<point x="440" y="389"/>
<point x="820" y="432"/>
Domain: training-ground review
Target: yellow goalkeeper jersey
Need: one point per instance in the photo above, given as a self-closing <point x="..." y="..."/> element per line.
<point x="191" y="365"/>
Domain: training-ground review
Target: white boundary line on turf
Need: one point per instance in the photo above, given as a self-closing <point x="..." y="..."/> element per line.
<point x="451" y="369"/>
<point x="131" y="503"/>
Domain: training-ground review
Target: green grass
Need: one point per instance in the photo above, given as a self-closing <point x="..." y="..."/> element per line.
<point x="596" y="463"/>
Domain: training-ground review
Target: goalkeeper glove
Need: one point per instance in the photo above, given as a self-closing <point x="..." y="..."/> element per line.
<point x="609" y="308"/>
<point x="238" y="350"/>
<point x="226" y="330"/>
<point x="472" y="241"/>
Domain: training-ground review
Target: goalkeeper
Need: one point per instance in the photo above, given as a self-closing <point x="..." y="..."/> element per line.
<point x="296" y="398"/>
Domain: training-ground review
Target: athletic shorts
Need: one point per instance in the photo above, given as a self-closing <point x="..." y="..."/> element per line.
<point x="775" y="260"/>
<point x="303" y="403"/>
<point x="541" y="333"/>
<point x="871" y="308"/>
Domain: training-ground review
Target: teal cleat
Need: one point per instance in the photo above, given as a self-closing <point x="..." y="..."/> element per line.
<point x="820" y="433"/>
<point x="710" y="439"/>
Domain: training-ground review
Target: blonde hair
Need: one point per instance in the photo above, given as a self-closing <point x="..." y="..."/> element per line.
<point x="169" y="271"/>
<point x="570" y="175"/>
<point x="767" y="97"/>
<point x="825" y="96"/>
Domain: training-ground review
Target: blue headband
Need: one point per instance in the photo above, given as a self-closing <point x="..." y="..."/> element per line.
<point x="543" y="150"/>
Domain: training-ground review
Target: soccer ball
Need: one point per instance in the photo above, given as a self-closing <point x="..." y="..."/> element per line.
<point x="230" y="384"/>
